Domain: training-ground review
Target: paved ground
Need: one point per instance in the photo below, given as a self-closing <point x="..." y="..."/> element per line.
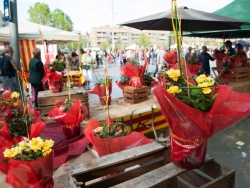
<point x="223" y="147"/>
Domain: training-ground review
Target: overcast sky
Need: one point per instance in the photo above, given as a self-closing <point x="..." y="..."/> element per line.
<point x="94" y="13"/>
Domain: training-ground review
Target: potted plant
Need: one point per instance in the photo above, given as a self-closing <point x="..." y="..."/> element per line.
<point x="103" y="88"/>
<point x="69" y="113"/>
<point x="30" y="163"/>
<point x="111" y="136"/>
<point x="54" y="76"/>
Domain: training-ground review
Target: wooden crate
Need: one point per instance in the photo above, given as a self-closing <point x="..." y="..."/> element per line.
<point x="240" y="75"/>
<point x="134" y="95"/>
<point x="153" y="169"/>
<point x="47" y="100"/>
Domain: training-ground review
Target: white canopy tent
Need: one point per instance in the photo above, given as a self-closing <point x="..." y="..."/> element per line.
<point x="184" y="45"/>
<point x="32" y="31"/>
<point x="132" y="47"/>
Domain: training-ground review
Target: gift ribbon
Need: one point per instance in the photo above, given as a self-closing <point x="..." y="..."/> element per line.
<point x="198" y="141"/>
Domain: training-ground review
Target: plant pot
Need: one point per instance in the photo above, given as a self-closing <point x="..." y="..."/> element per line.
<point x="56" y="86"/>
<point x="36" y="174"/>
<point x="71" y="131"/>
<point x="188" y="155"/>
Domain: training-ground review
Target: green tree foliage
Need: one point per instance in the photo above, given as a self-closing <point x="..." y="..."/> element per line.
<point x="40" y="14"/>
<point x="104" y="45"/>
<point x="143" y="40"/>
<point x="60" y="20"/>
<point x="119" y="44"/>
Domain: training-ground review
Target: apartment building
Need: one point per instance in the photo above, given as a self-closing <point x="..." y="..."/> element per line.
<point x="127" y="35"/>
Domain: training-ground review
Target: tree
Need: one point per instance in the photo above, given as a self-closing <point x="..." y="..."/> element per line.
<point x="143" y="40"/>
<point x="104" y="45"/>
<point x="60" y="20"/>
<point x="40" y="14"/>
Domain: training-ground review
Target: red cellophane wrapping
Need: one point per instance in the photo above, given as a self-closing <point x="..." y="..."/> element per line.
<point x="55" y="80"/>
<point x="71" y="119"/>
<point x="219" y="58"/>
<point x="134" y="73"/>
<point x="105" y="146"/>
<point x="102" y="93"/>
<point x="35" y="174"/>
<point x="7" y="140"/>
<point x="170" y="57"/>
<point x="190" y="128"/>
<point x="194" y="68"/>
<point x="120" y="85"/>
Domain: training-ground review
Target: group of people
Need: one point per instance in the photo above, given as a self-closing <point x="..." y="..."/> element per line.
<point x="204" y="57"/>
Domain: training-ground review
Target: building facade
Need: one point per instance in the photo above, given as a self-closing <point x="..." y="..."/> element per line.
<point x="126" y="35"/>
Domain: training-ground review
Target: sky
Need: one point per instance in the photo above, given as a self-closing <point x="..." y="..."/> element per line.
<point x="86" y="14"/>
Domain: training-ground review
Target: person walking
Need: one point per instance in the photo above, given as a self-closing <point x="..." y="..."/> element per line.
<point x="204" y="58"/>
<point x="87" y="68"/>
<point x="160" y="61"/>
<point x="8" y="71"/>
<point x="36" y="73"/>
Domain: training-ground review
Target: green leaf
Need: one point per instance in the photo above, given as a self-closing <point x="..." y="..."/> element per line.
<point x="214" y="96"/>
<point x="5" y="161"/>
<point x="195" y="90"/>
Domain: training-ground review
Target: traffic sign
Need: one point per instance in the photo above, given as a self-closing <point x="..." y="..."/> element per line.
<point x="6" y="6"/>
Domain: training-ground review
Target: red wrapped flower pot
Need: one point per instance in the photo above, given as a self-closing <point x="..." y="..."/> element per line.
<point x="188" y="154"/>
<point x="56" y="86"/>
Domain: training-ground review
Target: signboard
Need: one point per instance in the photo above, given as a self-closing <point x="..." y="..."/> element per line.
<point x="6" y="6"/>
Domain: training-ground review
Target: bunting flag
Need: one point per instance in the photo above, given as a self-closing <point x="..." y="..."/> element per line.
<point x="26" y="48"/>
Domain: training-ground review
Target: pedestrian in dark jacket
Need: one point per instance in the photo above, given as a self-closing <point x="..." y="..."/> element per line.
<point x="8" y="71"/>
<point x="36" y="73"/>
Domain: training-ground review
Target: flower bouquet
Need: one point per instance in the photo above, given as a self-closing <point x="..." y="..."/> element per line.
<point x="149" y="80"/>
<point x="54" y="76"/>
<point x="134" y="72"/>
<point x="103" y="89"/>
<point x="195" y="113"/>
<point x="171" y="58"/>
<point x="219" y="55"/>
<point x="17" y="121"/>
<point x="69" y="114"/>
<point x="112" y="136"/>
<point x="30" y="164"/>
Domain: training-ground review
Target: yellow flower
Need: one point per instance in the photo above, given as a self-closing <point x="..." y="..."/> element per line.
<point x="200" y="79"/>
<point x="173" y="90"/>
<point x="12" y="152"/>
<point x="47" y="145"/>
<point x="173" y="74"/>
<point x="15" y="95"/>
<point x="36" y="144"/>
<point x="206" y="90"/>
<point x="210" y="81"/>
<point x="47" y="152"/>
<point x="7" y="153"/>
<point x="204" y="84"/>
<point x="22" y="145"/>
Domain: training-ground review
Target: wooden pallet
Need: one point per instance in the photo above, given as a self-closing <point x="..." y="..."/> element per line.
<point x="134" y="95"/>
<point x="153" y="169"/>
<point x="240" y="74"/>
<point x="47" y="100"/>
